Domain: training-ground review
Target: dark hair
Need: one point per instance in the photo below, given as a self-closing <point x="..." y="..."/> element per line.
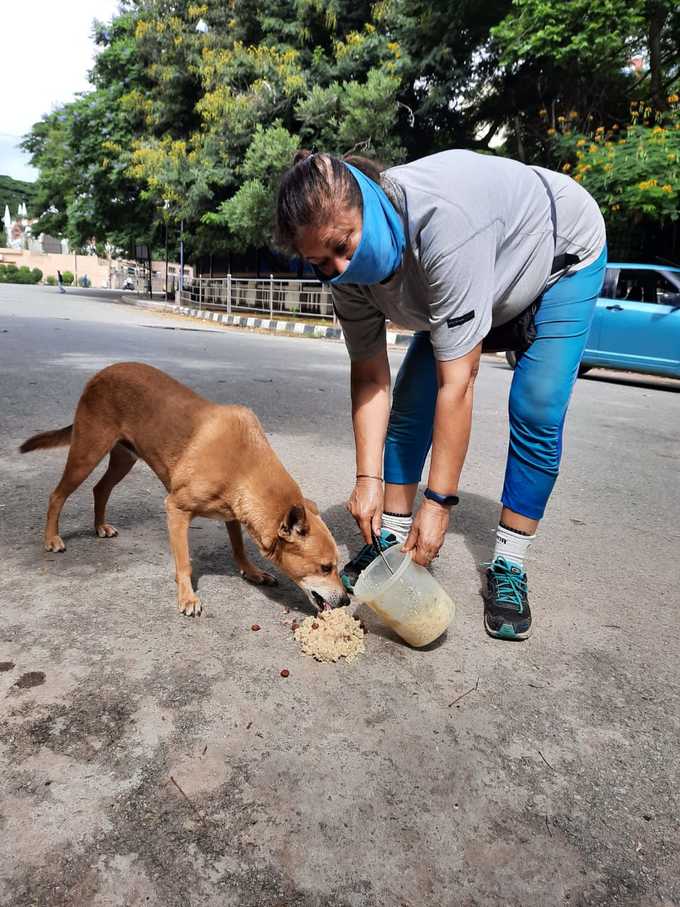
<point x="315" y="188"/>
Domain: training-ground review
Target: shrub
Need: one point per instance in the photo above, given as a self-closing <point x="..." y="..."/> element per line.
<point x="11" y="274"/>
<point x="633" y="173"/>
<point x="8" y="273"/>
<point x="68" y="277"/>
<point x="51" y="280"/>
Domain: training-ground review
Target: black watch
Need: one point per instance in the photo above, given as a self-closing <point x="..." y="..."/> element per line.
<point x="446" y="500"/>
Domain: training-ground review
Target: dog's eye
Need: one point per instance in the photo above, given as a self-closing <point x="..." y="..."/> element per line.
<point x="327" y="568"/>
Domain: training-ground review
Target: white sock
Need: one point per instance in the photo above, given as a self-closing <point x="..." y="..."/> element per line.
<point x="513" y="546"/>
<point x="399" y="524"/>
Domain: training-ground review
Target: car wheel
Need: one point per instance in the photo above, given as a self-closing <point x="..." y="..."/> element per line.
<point x="512" y="358"/>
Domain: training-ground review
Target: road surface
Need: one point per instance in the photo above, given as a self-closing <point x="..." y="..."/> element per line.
<point x="151" y="759"/>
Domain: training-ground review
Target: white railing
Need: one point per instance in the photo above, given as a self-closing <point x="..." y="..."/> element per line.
<point x="264" y="296"/>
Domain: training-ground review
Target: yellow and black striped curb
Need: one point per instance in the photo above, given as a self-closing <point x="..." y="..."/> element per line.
<point x="271" y="325"/>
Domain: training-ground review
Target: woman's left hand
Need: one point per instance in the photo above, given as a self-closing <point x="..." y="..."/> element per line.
<point x="427" y="532"/>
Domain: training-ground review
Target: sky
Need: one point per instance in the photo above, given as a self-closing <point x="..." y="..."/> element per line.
<point x="45" y="63"/>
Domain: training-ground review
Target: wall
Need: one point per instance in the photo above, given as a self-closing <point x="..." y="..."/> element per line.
<point x="100" y="271"/>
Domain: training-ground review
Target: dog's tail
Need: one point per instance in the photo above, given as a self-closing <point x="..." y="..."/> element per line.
<point x="59" y="438"/>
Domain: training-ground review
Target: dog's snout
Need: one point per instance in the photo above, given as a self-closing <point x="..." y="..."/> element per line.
<point x="339" y="600"/>
<point x="323" y="599"/>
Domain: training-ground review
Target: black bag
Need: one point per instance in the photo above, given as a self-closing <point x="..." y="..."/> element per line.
<point x="515" y="335"/>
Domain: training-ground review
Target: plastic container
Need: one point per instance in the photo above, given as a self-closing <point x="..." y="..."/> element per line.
<point x="409" y="600"/>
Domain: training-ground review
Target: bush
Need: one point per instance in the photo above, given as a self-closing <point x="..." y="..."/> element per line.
<point x="8" y="273"/>
<point x="68" y="277"/>
<point x="51" y="280"/>
<point x="12" y="274"/>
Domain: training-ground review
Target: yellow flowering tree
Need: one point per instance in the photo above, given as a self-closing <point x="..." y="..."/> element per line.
<point x="634" y="172"/>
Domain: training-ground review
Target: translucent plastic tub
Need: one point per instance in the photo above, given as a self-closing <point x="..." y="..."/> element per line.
<point x="410" y="600"/>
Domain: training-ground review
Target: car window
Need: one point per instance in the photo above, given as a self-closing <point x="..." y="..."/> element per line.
<point x="668" y="288"/>
<point x="637" y="285"/>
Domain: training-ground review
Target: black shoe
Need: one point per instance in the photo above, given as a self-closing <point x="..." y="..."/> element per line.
<point x="506" y="610"/>
<point x="350" y="572"/>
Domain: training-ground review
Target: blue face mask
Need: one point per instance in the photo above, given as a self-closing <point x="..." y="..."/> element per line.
<point x="381" y="247"/>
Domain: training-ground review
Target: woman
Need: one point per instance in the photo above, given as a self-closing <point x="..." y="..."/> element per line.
<point x="459" y="247"/>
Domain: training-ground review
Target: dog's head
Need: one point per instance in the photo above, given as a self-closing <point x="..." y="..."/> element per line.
<point x="305" y="550"/>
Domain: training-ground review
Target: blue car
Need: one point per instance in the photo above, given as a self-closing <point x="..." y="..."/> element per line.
<point x="636" y="325"/>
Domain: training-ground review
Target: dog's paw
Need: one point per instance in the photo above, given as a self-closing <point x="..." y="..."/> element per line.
<point x="190" y="606"/>
<point x="55" y="543"/>
<point x="259" y="577"/>
<point x="106" y="531"/>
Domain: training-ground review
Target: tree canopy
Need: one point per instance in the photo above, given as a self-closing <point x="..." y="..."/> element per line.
<point x="15" y="192"/>
<point x="197" y="107"/>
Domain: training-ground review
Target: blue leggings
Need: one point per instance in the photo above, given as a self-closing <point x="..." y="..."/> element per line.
<point x="539" y="396"/>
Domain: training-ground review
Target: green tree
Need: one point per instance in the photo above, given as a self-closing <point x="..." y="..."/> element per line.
<point x="578" y="57"/>
<point x="259" y="101"/>
<point x="196" y="105"/>
<point x="633" y="173"/>
<point x="14" y="192"/>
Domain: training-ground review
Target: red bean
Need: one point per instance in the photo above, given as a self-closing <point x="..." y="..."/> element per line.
<point x="285" y="672"/>
<point x="256" y="627"/>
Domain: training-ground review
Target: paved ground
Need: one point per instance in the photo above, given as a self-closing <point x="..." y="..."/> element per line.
<point x="151" y="759"/>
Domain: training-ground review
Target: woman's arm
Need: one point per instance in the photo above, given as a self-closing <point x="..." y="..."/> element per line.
<point x="452" y="423"/>
<point x="370" y="385"/>
<point x="452" y="420"/>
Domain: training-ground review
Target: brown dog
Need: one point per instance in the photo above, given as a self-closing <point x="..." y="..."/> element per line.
<point x="214" y="462"/>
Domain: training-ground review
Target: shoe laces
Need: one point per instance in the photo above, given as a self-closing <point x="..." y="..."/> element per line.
<point x="369" y="552"/>
<point x="511" y="583"/>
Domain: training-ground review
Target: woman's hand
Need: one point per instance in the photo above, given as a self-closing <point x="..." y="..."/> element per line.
<point x="366" y="505"/>
<point x="427" y="532"/>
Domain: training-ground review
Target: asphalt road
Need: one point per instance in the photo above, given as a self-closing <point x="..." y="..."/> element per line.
<point x="151" y="759"/>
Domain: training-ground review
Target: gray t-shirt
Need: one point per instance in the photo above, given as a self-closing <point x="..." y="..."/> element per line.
<point x="479" y="250"/>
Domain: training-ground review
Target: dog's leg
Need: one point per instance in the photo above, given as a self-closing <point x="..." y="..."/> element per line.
<point x="87" y="449"/>
<point x="178" y="529"/>
<point x="248" y="569"/>
<point x="121" y="462"/>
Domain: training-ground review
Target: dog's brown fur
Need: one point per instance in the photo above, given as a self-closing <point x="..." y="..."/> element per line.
<point x="214" y="461"/>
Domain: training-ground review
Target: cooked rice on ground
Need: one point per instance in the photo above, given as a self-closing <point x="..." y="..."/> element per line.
<point x="331" y="635"/>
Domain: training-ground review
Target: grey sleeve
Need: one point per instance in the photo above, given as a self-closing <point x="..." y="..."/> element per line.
<point x="363" y="325"/>
<point x="461" y="281"/>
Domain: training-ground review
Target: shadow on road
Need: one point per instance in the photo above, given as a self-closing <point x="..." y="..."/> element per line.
<point x="218" y="560"/>
<point x="625" y="379"/>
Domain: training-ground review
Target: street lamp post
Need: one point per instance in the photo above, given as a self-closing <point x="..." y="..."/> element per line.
<point x="166" y="208"/>
<point x="181" y="259"/>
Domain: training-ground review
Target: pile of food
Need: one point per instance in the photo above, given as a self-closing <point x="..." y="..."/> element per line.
<point x="331" y="635"/>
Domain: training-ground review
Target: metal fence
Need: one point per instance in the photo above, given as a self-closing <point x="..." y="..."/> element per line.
<point x="265" y="296"/>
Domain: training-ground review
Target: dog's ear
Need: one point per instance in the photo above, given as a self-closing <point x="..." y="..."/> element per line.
<point x="294" y="522"/>
<point x="311" y="506"/>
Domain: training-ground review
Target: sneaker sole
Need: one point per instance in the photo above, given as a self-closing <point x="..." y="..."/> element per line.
<point x="507" y="631"/>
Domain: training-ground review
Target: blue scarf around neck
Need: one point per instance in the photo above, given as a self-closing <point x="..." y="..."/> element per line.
<point x="382" y="243"/>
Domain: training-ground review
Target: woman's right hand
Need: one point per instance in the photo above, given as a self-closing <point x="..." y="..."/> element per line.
<point x="366" y="505"/>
